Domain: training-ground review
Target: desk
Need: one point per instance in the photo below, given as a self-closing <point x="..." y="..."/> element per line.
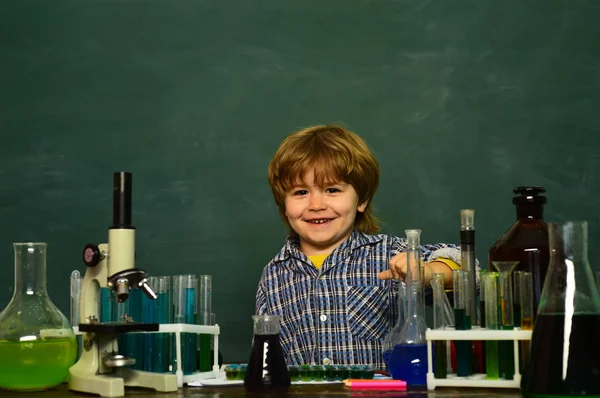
<point x="294" y="391"/>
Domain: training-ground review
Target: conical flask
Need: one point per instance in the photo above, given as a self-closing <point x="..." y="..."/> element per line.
<point x="37" y="343"/>
<point x="267" y="370"/>
<point x="409" y="358"/>
<point x="565" y="350"/>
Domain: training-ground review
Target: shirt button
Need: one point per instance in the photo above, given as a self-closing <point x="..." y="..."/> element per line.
<point x="326" y="361"/>
<point x="323" y="317"/>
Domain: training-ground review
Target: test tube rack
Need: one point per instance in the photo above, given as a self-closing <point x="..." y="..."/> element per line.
<point x="177" y="329"/>
<point x="478" y="379"/>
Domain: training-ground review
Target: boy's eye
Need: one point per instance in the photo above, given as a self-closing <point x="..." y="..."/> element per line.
<point x="300" y="192"/>
<point x="332" y="190"/>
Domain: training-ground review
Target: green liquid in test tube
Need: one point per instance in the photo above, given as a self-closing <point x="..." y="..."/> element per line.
<point x="490" y="283"/>
<point x="505" y="269"/>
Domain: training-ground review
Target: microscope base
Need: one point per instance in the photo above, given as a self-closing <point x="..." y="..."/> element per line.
<point x="158" y="381"/>
<point x="113" y="385"/>
<point x="103" y="385"/>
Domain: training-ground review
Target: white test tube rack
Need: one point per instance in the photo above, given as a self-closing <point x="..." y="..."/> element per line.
<point x="177" y="329"/>
<point x="477" y="379"/>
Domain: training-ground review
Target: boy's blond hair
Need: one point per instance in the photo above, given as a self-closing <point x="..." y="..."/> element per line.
<point x="335" y="154"/>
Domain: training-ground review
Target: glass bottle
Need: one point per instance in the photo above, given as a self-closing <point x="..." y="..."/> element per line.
<point x="267" y="370"/>
<point x="565" y="350"/>
<point x="527" y="239"/>
<point x="37" y="343"/>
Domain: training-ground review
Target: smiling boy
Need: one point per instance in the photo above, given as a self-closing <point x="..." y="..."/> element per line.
<point x="333" y="281"/>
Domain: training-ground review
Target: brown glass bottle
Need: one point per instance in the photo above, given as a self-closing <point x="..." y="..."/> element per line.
<point x="527" y="240"/>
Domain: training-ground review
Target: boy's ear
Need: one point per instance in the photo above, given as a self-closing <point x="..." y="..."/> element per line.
<point x="361" y="208"/>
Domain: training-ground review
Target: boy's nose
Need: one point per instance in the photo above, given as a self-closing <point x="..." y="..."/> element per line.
<point x="316" y="202"/>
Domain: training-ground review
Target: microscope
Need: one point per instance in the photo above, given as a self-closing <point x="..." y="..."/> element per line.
<point x="101" y="369"/>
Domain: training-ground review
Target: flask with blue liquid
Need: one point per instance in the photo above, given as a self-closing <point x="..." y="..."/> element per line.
<point x="408" y="361"/>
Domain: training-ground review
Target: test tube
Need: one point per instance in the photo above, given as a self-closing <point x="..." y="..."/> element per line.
<point x="185" y="311"/>
<point x="507" y="317"/>
<point x="460" y="280"/>
<point x="149" y="309"/>
<point x="480" y="354"/>
<point x="135" y="341"/>
<point x="75" y="297"/>
<point x="158" y="344"/>
<point x="467" y="257"/>
<point x="517" y="297"/>
<point x="439" y="322"/>
<point x="482" y="298"/>
<point x="525" y="283"/>
<point x="490" y="283"/>
<point x="75" y="306"/>
<point x="204" y="312"/>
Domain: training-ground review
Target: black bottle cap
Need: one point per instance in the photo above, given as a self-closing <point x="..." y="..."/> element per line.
<point x="529" y="195"/>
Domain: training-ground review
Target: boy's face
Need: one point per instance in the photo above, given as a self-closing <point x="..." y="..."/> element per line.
<point x="322" y="216"/>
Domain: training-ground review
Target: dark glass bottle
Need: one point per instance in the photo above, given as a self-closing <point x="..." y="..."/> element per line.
<point x="527" y="240"/>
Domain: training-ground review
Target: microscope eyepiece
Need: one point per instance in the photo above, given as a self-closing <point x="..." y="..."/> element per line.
<point x="122" y="200"/>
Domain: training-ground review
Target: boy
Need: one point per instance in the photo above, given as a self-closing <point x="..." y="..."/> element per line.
<point x="332" y="281"/>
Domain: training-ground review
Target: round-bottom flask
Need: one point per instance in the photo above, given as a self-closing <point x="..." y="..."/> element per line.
<point x="37" y="343"/>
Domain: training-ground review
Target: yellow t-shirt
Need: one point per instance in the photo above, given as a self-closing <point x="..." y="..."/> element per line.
<point x="318" y="259"/>
<point x="451" y="264"/>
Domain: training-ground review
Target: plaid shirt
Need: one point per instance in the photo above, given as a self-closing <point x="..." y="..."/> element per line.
<point x="340" y="313"/>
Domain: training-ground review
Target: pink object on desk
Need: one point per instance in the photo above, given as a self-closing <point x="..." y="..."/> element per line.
<point x="376" y="384"/>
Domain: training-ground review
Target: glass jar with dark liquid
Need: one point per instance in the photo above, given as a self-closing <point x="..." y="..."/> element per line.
<point x="526" y="241"/>
<point x="267" y="370"/>
<point x="564" y="359"/>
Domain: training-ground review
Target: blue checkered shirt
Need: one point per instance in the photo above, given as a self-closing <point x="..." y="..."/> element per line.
<point x="340" y="313"/>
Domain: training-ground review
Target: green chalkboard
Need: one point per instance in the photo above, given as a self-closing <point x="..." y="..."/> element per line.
<point x="460" y="100"/>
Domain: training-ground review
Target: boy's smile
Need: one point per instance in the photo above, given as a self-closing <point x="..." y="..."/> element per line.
<point x="322" y="216"/>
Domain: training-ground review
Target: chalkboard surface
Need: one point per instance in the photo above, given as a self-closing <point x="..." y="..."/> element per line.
<point x="460" y="101"/>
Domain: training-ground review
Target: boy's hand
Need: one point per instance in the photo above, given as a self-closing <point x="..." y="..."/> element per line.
<point x="398" y="269"/>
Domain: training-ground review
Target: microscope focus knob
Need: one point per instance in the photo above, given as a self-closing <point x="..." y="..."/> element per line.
<point x="91" y="255"/>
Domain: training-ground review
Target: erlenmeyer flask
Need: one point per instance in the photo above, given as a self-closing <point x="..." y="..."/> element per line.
<point x="267" y="370"/>
<point x="37" y="343"/>
<point x="565" y="350"/>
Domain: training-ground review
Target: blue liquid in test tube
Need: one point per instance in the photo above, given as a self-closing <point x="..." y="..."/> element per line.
<point x="184" y="288"/>
<point x="158" y="311"/>
<point x="136" y="341"/>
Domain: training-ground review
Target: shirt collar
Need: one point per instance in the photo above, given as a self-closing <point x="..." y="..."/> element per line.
<point x="356" y="240"/>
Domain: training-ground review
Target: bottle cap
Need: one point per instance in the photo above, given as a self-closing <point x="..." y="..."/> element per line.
<point x="529" y="195"/>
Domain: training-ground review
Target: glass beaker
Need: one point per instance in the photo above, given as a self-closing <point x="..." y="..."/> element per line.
<point x="37" y="343"/>
<point x="267" y="370"/>
<point x="565" y="350"/>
